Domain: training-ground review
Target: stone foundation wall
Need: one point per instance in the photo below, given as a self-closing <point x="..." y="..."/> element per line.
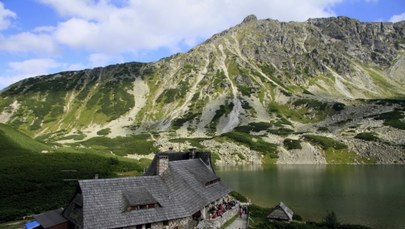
<point x="183" y="223"/>
<point x="218" y="222"/>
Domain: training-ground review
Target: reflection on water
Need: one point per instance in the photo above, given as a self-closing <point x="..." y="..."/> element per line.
<point x="370" y="195"/>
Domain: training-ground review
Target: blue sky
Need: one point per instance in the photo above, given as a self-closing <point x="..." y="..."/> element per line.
<point x="46" y="36"/>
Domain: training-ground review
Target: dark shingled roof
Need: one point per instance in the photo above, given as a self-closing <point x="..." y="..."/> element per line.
<point x="50" y="218"/>
<point x="179" y="192"/>
<point x="281" y="212"/>
<point x="139" y="196"/>
<point x="178" y="156"/>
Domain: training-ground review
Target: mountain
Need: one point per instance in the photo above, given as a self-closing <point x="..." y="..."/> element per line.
<point x="328" y="90"/>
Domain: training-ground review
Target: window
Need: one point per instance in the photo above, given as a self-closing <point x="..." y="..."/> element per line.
<point x="166" y="223"/>
<point x="148" y="226"/>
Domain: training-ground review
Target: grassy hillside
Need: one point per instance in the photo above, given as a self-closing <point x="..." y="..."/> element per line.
<point x="32" y="182"/>
<point x="13" y="141"/>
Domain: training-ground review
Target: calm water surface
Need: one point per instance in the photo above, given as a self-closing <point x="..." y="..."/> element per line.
<point x="368" y="195"/>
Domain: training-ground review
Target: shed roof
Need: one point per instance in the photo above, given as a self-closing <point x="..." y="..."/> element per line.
<point x="50" y="218"/>
<point x="179" y="192"/>
<point x="281" y="212"/>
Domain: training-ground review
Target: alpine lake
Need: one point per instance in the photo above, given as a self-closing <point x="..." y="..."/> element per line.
<point x="371" y="195"/>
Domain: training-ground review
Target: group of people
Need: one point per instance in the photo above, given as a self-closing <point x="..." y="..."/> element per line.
<point x="243" y="210"/>
<point x="219" y="209"/>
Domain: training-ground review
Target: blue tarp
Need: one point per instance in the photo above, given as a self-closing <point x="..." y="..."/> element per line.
<point x="32" y="225"/>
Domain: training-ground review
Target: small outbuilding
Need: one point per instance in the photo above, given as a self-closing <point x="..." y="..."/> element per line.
<point x="281" y="213"/>
<point x="48" y="220"/>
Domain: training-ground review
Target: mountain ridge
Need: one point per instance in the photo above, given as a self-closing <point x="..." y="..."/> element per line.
<point x="294" y="76"/>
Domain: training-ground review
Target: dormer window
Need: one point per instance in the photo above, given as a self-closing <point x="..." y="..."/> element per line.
<point x="139" y="199"/>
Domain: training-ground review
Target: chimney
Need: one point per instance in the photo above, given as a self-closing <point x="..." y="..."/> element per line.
<point x="192" y="153"/>
<point x="163" y="164"/>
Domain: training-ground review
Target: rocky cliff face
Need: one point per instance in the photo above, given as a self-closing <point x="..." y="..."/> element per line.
<point x="326" y="90"/>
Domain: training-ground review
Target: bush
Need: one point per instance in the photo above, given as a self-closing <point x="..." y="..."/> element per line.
<point x="254" y="127"/>
<point x="104" y="132"/>
<point x="281" y="131"/>
<point x="367" y="136"/>
<point x="325" y="142"/>
<point x="257" y="144"/>
<point x="238" y="196"/>
<point x="392" y="119"/>
<point x="292" y="144"/>
<point x="297" y="217"/>
<point x="331" y="220"/>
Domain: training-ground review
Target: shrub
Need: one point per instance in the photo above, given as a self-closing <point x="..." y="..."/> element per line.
<point x="281" y="131"/>
<point x="238" y="196"/>
<point x="323" y="129"/>
<point x="392" y="119"/>
<point x="325" y="142"/>
<point x="367" y="136"/>
<point x="331" y="220"/>
<point x="297" y="217"/>
<point x="338" y="106"/>
<point x="104" y="132"/>
<point x="257" y="144"/>
<point x="292" y="144"/>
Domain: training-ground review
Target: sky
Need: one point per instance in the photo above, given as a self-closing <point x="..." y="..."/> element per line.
<point x="40" y="37"/>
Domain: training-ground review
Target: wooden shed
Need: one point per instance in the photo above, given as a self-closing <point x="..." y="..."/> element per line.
<point x="52" y="220"/>
<point x="281" y="213"/>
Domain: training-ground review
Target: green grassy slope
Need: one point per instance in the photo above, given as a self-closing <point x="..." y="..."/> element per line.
<point x="13" y="141"/>
<point x="32" y="182"/>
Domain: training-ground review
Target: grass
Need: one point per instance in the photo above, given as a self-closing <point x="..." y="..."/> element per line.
<point x="229" y="222"/>
<point x="258" y="220"/>
<point x="172" y="94"/>
<point x="254" y="143"/>
<point x="342" y="156"/>
<point x="11" y="138"/>
<point x="238" y="196"/>
<point x="134" y="144"/>
<point x="336" y="152"/>
<point x="13" y="225"/>
<point x="325" y="142"/>
<point x="33" y="182"/>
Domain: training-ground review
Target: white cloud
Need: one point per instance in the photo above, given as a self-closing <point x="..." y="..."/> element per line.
<point x="32" y="67"/>
<point x="28" y="42"/>
<point x="101" y="59"/>
<point x="5" y="16"/>
<point x="136" y="25"/>
<point x="398" y="17"/>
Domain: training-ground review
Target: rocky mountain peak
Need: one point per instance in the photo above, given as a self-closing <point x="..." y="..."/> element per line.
<point x="250" y="18"/>
<point x="269" y="78"/>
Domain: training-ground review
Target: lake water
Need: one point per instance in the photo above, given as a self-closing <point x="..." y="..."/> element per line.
<point x="368" y="195"/>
